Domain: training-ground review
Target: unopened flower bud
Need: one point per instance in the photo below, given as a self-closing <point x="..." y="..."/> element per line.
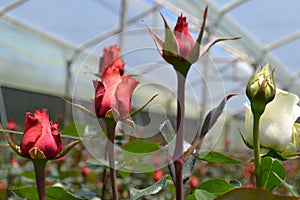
<point x="261" y="89"/>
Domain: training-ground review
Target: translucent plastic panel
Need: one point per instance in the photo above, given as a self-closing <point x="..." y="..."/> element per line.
<point x="74" y="21"/>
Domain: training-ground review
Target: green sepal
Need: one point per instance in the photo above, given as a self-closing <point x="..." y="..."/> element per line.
<point x="70" y="146"/>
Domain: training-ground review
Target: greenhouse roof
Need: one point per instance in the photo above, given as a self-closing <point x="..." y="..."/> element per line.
<point x="44" y="45"/>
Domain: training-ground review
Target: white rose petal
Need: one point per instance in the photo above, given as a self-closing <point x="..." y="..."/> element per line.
<point x="277" y="128"/>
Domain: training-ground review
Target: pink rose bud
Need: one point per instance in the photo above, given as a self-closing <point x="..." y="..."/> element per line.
<point x="113" y="92"/>
<point x="194" y="181"/>
<point x="11" y="125"/>
<point x="111" y="58"/>
<point x="185" y="41"/>
<point x="41" y="138"/>
<point x="158" y="174"/>
<point x="85" y="170"/>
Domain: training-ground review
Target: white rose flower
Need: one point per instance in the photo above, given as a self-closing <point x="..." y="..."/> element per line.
<point x="277" y="127"/>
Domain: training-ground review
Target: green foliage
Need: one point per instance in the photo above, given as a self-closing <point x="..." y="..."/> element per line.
<point x="217" y="157"/>
<point x="52" y="193"/>
<point x="133" y="154"/>
<point x="137" y="146"/>
<point x="201" y="195"/>
<point x="216" y="186"/>
<point x="74" y="129"/>
<point x="270" y="167"/>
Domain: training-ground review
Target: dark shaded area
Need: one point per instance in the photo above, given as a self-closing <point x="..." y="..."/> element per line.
<point x="17" y="102"/>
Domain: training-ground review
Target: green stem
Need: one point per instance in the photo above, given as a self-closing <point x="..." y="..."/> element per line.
<point x="256" y="147"/>
<point x="178" y="153"/>
<point x="39" y="169"/>
<point x="110" y="128"/>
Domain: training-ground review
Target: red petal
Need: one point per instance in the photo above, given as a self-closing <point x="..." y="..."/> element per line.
<point x="38" y="133"/>
<point x="123" y="95"/>
<point x="110" y="79"/>
<point x="32" y="132"/>
<point x="111" y="58"/>
<point x="184" y="39"/>
<point x="99" y="93"/>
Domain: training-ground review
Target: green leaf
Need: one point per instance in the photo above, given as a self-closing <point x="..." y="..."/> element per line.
<point x="253" y="193"/>
<point x="269" y="167"/>
<point x="134" y="151"/>
<point x="28" y="174"/>
<point x="74" y="129"/>
<point x="137" y="146"/>
<point x="216" y="186"/>
<point x="217" y="157"/>
<point x="201" y="195"/>
<point x="153" y="189"/>
<point x="52" y="193"/>
<point x="124" y="174"/>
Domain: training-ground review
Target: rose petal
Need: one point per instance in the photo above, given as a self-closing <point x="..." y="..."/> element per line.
<point x="123" y="95"/>
<point x="111" y="58"/>
<point x="277" y="121"/>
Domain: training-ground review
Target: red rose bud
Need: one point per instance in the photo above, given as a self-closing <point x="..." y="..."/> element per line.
<point x="158" y="174"/>
<point x="179" y="48"/>
<point x="194" y="181"/>
<point x="11" y="125"/>
<point x="41" y="138"/>
<point x="113" y="92"/>
<point x="111" y="58"/>
<point x="185" y="41"/>
<point x="85" y="170"/>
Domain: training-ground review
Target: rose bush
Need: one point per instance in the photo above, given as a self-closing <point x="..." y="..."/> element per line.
<point x="278" y="130"/>
<point x="41" y="137"/>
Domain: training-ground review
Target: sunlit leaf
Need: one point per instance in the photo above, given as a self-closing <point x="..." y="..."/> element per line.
<point x="216" y="186"/>
<point x="137" y="146"/>
<point x="153" y="189"/>
<point x="217" y="157"/>
<point x="269" y="167"/>
<point x="134" y="151"/>
<point x="52" y="193"/>
<point x="201" y="195"/>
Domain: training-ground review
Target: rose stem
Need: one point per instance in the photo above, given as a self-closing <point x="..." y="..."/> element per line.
<point x="256" y="147"/>
<point x="110" y="127"/>
<point x="178" y="153"/>
<point x="39" y="169"/>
